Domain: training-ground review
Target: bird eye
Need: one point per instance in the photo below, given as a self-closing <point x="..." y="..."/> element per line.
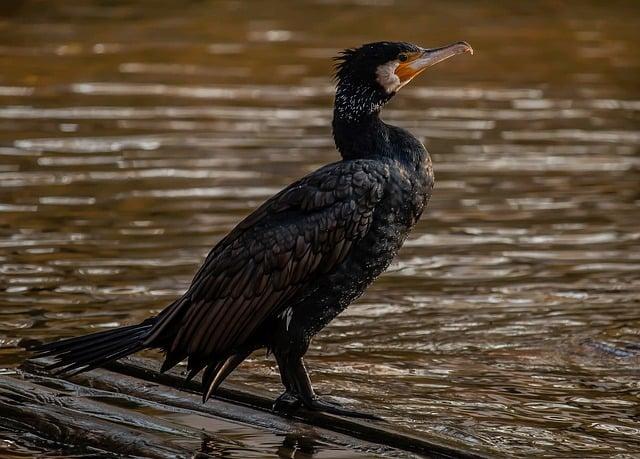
<point x="402" y="57"/>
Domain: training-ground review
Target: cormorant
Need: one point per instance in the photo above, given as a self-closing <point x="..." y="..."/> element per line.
<point x="296" y="262"/>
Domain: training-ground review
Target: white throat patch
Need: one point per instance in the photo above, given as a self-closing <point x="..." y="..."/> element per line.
<point x="386" y="76"/>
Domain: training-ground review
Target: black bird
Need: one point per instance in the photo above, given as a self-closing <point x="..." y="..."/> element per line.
<point x="304" y="255"/>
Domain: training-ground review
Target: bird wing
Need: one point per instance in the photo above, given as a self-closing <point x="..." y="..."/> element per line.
<point x="305" y="230"/>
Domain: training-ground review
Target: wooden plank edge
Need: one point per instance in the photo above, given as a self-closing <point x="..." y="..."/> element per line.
<point x="104" y="383"/>
<point x="426" y="444"/>
<point x="40" y="411"/>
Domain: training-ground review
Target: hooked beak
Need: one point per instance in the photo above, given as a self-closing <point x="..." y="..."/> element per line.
<point x="420" y="60"/>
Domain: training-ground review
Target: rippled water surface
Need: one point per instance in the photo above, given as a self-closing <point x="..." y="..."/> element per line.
<point x="134" y="136"/>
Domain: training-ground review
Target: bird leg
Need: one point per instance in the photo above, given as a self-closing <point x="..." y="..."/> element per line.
<point x="288" y="400"/>
<point x="300" y="392"/>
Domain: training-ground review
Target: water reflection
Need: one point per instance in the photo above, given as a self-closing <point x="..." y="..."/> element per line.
<point x="132" y="138"/>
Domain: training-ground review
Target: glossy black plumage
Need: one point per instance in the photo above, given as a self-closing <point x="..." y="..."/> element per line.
<point x="298" y="260"/>
<point x="269" y="261"/>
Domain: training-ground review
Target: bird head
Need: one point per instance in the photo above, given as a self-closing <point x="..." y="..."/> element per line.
<point x="368" y="76"/>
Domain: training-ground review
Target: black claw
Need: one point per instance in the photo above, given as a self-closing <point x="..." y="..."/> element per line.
<point x="326" y="406"/>
<point x="286" y="402"/>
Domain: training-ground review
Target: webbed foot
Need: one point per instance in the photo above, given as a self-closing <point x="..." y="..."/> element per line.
<point x="289" y="402"/>
<point x="286" y="402"/>
<point x="326" y="406"/>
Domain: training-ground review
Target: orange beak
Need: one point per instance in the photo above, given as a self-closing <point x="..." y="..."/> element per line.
<point x="420" y="60"/>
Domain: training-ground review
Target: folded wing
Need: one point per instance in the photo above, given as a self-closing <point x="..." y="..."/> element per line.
<point x="304" y="231"/>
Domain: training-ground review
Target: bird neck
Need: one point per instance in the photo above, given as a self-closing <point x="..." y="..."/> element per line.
<point x="364" y="136"/>
<point x="357" y="128"/>
<point x="358" y="101"/>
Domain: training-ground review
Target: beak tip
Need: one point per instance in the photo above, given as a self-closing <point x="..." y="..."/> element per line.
<point x="467" y="47"/>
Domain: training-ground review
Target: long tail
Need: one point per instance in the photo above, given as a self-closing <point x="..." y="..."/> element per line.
<point x="84" y="353"/>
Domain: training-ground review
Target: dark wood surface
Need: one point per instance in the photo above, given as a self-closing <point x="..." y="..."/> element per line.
<point x="129" y="408"/>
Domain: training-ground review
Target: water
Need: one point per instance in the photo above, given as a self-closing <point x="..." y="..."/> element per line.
<point x="133" y="137"/>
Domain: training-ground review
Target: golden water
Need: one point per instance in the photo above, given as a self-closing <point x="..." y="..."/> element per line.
<point x="134" y="135"/>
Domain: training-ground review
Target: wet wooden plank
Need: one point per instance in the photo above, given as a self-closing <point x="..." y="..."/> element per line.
<point x="127" y="424"/>
<point x="138" y="379"/>
<point x="36" y="409"/>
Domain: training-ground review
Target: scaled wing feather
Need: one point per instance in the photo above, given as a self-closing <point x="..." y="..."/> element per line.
<point x="305" y="230"/>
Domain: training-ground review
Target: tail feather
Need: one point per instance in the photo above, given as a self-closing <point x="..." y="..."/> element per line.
<point x="80" y="367"/>
<point x="65" y="345"/>
<point x="87" y="356"/>
<point x="214" y="375"/>
<point x="84" y="353"/>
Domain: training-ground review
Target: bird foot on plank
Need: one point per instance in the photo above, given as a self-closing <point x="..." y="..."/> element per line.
<point x="325" y="406"/>
<point x="286" y="402"/>
<point x="289" y="402"/>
